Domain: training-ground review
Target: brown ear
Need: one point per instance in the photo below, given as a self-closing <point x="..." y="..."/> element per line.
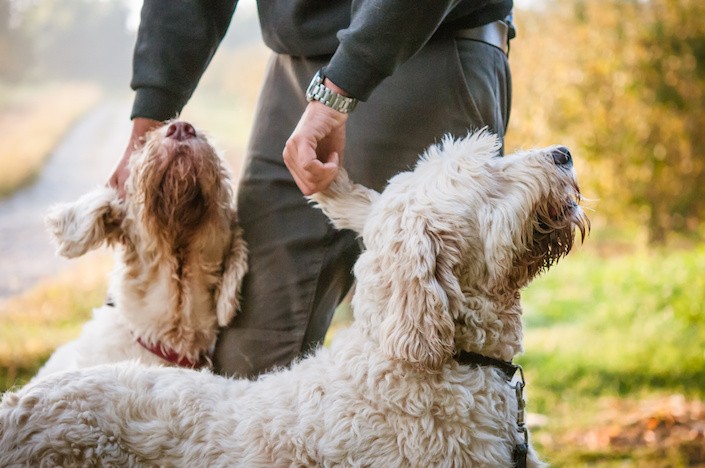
<point x="86" y="223"/>
<point x="234" y="269"/>
<point x="419" y="326"/>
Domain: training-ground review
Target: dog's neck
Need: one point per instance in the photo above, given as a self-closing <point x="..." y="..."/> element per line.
<point x="174" y="357"/>
<point x="167" y="296"/>
<point x="490" y="324"/>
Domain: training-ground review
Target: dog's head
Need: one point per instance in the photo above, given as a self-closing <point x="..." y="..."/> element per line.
<point x="525" y="208"/>
<point x="180" y="205"/>
<point x="465" y="226"/>
<point x="178" y="178"/>
<point x="182" y="249"/>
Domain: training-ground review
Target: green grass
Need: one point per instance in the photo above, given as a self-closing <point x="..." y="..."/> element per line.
<point x="617" y="326"/>
<point x="629" y="327"/>
<point x="35" y="323"/>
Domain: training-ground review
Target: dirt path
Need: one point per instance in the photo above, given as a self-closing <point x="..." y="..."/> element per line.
<point x="83" y="160"/>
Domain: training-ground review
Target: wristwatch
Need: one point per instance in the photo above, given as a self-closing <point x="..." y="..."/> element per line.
<point x="317" y="91"/>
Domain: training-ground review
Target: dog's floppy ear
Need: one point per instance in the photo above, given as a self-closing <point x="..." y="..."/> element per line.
<point x="234" y="269"/>
<point x="346" y="204"/>
<point x="86" y="223"/>
<point x="423" y="293"/>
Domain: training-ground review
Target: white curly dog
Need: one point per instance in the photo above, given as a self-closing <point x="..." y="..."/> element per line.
<point x="448" y="247"/>
<point x="180" y="258"/>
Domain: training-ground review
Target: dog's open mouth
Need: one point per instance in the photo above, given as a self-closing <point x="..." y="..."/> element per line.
<point x="574" y="215"/>
<point x="556" y="214"/>
<point x="553" y="233"/>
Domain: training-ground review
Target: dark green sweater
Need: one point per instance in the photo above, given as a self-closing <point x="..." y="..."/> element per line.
<point x="366" y="40"/>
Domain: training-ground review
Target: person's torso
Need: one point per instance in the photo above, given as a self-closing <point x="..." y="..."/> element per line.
<point x="308" y="27"/>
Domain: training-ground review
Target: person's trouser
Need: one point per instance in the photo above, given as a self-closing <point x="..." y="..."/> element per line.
<point x="301" y="267"/>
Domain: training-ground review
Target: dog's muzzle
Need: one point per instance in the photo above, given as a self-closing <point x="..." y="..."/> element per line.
<point x="180" y="131"/>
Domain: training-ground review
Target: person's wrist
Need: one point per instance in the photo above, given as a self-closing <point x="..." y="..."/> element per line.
<point x="334" y="87"/>
<point x="334" y="117"/>
<point x="140" y="127"/>
<point x="326" y="92"/>
<point x="143" y="125"/>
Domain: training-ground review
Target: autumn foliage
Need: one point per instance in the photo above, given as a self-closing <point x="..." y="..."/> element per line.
<point x="623" y="83"/>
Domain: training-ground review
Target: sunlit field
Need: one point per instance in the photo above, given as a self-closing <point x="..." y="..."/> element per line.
<point x="35" y="323"/>
<point x="608" y="342"/>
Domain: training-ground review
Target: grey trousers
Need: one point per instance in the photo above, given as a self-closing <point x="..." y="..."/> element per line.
<point x="300" y="267"/>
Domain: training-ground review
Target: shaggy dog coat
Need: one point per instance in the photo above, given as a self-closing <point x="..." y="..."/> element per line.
<point x="180" y="260"/>
<point x="448" y="247"/>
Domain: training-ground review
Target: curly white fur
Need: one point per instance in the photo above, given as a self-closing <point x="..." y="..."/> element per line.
<point x="173" y="283"/>
<point x="448" y="246"/>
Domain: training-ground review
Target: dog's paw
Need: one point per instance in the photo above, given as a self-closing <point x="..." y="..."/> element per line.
<point x="84" y="224"/>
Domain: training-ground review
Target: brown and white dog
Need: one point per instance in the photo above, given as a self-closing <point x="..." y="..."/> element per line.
<point x="180" y="260"/>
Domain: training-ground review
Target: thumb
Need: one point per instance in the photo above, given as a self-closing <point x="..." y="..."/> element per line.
<point x="333" y="160"/>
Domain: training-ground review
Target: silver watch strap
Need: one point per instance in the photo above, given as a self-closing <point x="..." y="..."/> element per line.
<point x="317" y="91"/>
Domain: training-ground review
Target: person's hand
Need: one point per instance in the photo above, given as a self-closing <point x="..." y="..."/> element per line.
<point x="140" y="127"/>
<point x="314" y="151"/>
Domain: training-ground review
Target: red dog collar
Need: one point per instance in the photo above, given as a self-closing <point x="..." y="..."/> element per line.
<point x="173" y="357"/>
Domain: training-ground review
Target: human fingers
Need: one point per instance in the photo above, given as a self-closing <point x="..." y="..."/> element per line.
<point x="140" y="127"/>
<point x="321" y="174"/>
<point x="310" y="173"/>
<point x="120" y="174"/>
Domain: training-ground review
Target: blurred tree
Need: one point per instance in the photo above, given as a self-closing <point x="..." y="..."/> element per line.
<point x="624" y="82"/>
<point x="670" y="79"/>
<point x="84" y="39"/>
<point x="14" y="45"/>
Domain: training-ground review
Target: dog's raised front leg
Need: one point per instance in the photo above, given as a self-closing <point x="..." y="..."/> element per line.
<point x="86" y="223"/>
<point x="344" y="203"/>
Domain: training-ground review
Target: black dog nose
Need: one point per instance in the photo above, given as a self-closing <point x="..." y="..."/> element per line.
<point x="180" y="131"/>
<point x="562" y="157"/>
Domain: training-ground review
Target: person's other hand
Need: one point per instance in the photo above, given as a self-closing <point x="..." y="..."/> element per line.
<point x="140" y="127"/>
<point x="314" y="151"/>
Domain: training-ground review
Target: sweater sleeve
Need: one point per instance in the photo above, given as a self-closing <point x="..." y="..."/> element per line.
<point x="382" y="35"/>
<point x="175" y="43"/>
